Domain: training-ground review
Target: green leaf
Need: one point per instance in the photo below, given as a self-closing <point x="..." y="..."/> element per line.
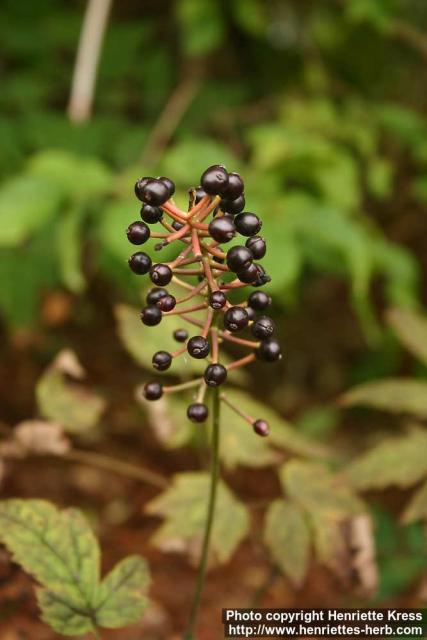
<point x="287" y="536"/>
<point x="67" y="402"/>
<point x="69" y="249"/>
<point x="60" y="550"/>
<point x="201" y="24"/>
<point x="398" y="461"/>
<point x="26" y="204"/>
<point x="397" y="395"/>
<point x="184" y="508"/>
<point x="411" y="329"/>
<point x="416" y="509"/>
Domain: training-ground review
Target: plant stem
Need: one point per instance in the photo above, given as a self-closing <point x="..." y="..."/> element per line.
<point x="189" y="633"/>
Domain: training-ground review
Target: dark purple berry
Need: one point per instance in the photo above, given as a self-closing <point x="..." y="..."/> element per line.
<point x="200" y="193"/>
<point x="180" y="335"/>
<point x="214" y="180"/>
<point x="198" y="347"/>
<point x="215" y="374"/>
<point x="138" y="233"/>
<point x="269" y="350"/>
<point x="155" y="192"/>
<point x="197" y="412"/>
<point x="151" y="214"/>
<point x="153" y="391"/>
<point x="235" y="319"/>
<point x="248" y="224"/>
<point x="262" y="277"/>
<point x="259" y="300"/>
<point x="261" y="428"/>
<point x="154" y="295"/>
<point x="233" y="206"/>
<point x="263" y="328"/>
<point x="235" y="186"/>
<point x="256" y="246"/>
<point x="248" y="274"/>
<point x="222" y="229"/>
<point x="238" y="258"/>
<point x="151" y="315"/>
<point x="140" y="263"/>
<point x="162" y="360"/>
<point x="166" y="303"/>
<point x="177" y="225"/>
<point x="161" y="274"/>
<point x="250" y="312"/>
<point x="169" y="183"/>
<point x="139" y="186"/>
<point x="217" y="299"/>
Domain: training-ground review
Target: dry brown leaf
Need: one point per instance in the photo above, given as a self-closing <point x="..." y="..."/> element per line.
<point x="36" y="437"/>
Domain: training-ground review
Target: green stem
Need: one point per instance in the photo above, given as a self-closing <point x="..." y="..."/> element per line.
<point x="189" y="633"/>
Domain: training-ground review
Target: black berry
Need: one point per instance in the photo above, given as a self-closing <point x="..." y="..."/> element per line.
<point x="198" y="347"/>
<point x="256" y="246"/>
<point x="250" y="312"/>
<point x="197" y="412"/>
<point x="200" y="193"/>
<point x="166" y="303"/>
<point x="248" y="224"/>
<point x="233" y="206"/>
<point x="138" y="233"/>
<point x="261" y="428"/>
<point x="269" y="350"/>
<point x="259" y="300"/>
<point x="170" y="185"/>
<point x="215" y="374"/>
<point x="180" y="335"/>
<point x="140" y="263"/>
<point x="222" y="229"/>
<point x="161" y="274"/>
<point x="248" y="274"/>
<point x="162" y="360"/>
<point x="235" y="186"/>
<point x="153" y="391"/>
<point x="139" y="186"/>
<point x="217" y="299"/>
<point x="151" y="214"/>
<point x="235" y="319"/>
<point x="155" y="192"/>
<point x="154" y="295"/>
<point x="262" y="277"/>
<point x="151" y="315"/>
<point x="215" y="180"/>
<point x="177" y="225"/>
<point x="238" y="258"/>
<point x="263" y="328"/>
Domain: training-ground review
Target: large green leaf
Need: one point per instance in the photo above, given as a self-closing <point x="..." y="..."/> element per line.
<point x="397" y="395"/>
<point x="411" y="329"/>
<point x="59" y="549"/>
<point x="201" y="25"/>
<point x="287" y="536"/>
<point x="400" y="461"/>
<point x="69" y="247"/>
<point x="184" y="508"/>
<point x="416" y="509"/>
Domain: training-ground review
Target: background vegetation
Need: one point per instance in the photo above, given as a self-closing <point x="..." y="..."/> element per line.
<point x="321" y="106"/>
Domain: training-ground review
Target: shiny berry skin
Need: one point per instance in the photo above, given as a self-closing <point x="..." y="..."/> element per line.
<point x="180" y="335"/>
<point x="153" y="391"/>
<point x="215" y="374"/>
<point x="177" y="225"/>
<point x="263" y="328"/>
<point x="256" y="246"/>
<point x="140" y="263"/>
<point x="235" y="319"/>
<point x="248" y="224"/>
<point x="197" y="412"/>
<point x="200" y="193"/>
<point x="261" y="428"/>
<point x="167" y="303"/>
<point x="238" y="258"/>
<point x="155" y="192"/>
<point x="235" y="186"/>
<point x="259" y="300"/>
<point x="139" y="186"/>
<point x="214" y="180"/>
<point x="198" y="347"/>
<point x="161" y="274"/>
<point x="169" y="183"/>
<point x="162" y="360"/>
<point x="262" y="277"/>
<point x="233" y="206"/>
<point x="138" y="233"/>
<point x="154" y="295"/>
<point x="222" y="229"/>
<point x="250" y="312"/>
<point x="151" y="315"/>
<point x="151" y="214"/>
<point x="269" y="350"/>
<point x="249" y="274"/>
<point x="217" y="300"/>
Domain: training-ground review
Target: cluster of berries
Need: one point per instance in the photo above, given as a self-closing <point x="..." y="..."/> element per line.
<point x="206" y="273"/>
